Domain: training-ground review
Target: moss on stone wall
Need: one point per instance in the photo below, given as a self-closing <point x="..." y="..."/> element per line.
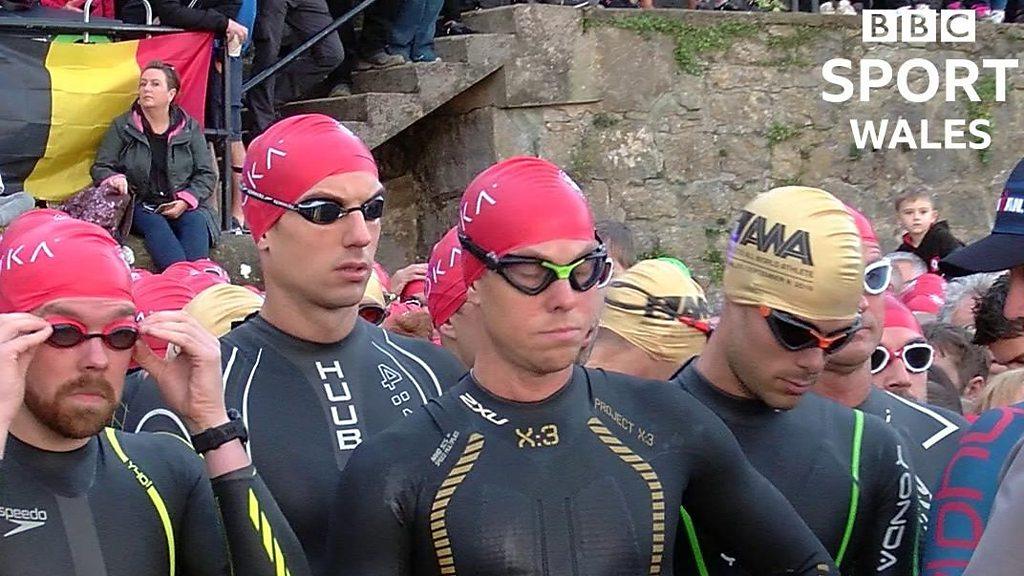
<point x="690" y="41"/>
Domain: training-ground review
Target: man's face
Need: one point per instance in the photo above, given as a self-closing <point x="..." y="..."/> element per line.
<point x="540" y="334"/>
<point x="460" y="333"/>
<point x="74" y="391"/>
<point x="767" y="370"/>
<point x="895" y="377"/>
<point x="328" y="265"/>
<point x="917" y="215"/>
<point x="1007" y="354"/>
<point x="872" y="312"/>
<point x="1014" y="307"/>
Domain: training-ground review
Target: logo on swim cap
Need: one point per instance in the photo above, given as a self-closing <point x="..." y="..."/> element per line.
<point x="796" y="249"/>
<point x="572" y="183"/>
<point x="753" y="230"/>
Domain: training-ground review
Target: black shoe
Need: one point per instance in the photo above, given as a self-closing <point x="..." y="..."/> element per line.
<point x="454" y="28"/>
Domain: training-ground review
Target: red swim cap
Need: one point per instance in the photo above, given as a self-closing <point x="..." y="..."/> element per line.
<point x="198" y="275"/>
<point x="520" y="202"/>
<point x="412" y="288"/>
<point x="926" y="295"/>
<point x="159" y="293"/>
<point x="867" y="233"/>
<point x="46" y="255"/>
<point x="899" y="316"/>
<point x="446" y="287"/>
<point x="290" y="157"/>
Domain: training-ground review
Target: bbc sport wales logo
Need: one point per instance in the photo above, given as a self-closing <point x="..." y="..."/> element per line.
<point x="950" y="79"/>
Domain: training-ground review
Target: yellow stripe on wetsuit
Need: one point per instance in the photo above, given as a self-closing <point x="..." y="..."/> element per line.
<point x="270" y="544"/>
<point x="151" y="491"/>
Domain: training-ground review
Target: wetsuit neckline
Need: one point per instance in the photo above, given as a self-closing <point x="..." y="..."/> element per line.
<point x="66" y="473"/>
<point x="260" y="324"/>
<point x="567" y="394"/>
<point x="703" y="388"/>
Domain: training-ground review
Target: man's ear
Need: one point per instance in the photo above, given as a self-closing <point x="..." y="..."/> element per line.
<point x="447" y="330"/>
<point x="974" y="387"/>
<point x="472" y="295"/>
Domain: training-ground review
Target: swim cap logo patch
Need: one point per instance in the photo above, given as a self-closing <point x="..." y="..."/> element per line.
<point x="753" y="230"/>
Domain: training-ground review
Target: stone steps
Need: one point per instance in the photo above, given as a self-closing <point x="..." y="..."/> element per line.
<point x="387" y="101"/>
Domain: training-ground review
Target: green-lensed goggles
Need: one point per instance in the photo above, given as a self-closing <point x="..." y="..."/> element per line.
<point x="532" y="276"/>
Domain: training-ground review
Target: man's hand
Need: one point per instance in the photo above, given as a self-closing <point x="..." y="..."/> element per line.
<point x="174" y="210"/>
<point x="402" y="277"/>
<point x="237" y="30"/>
<point x="190" y="382"/>
<point x="20" y="336"/>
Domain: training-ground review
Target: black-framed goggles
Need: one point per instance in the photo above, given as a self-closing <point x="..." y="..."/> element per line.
<point x="324" y="211"/>
<point x="531" y="276"/>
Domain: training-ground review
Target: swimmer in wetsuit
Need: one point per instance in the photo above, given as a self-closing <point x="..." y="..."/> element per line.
<point x="531" y="465"/>
<point x="311" y="379"/>
<point x="77" y="499"/>
<point x="792" y="285"/>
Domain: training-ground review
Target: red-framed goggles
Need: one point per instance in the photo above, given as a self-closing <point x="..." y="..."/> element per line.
<point x="68" y="333"/>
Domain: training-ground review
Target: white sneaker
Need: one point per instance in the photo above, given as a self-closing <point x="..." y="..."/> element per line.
<point x="827" y="8"/>
<point x="845" y="8"/>
<point x="996" y="16"/>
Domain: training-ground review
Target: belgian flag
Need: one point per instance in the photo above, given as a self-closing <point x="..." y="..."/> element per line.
<point x="58" y="99"/>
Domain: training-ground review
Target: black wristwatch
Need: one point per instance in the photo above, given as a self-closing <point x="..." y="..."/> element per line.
<point x="216" y="437"/>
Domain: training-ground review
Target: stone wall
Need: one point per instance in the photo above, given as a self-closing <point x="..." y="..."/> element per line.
<point x="671" y="120"/>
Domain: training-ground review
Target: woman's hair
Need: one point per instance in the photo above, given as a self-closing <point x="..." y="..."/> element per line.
<point x="173" y="80"/>
<point x="1001" y="390"/>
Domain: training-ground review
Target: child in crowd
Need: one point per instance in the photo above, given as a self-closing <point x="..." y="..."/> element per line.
<point x="924" y="234"/>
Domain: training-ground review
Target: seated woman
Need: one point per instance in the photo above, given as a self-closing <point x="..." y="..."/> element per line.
<point x="157" y="151"/>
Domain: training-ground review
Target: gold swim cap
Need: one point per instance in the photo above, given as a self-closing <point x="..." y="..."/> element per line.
<point x="643" y="306"/>
<point x="221" y="305"/>
<point x="796" y="249"/>
<point x="374" y="292"/>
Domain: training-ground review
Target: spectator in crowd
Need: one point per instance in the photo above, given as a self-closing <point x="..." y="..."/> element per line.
<point x="942" y="393"/>
<point x="923" y="233"/>
<point x="412" y="32"/>
<point x="901" y="361"/>
<point x="157" y="152"/>
<point x="960" y="298"/>
<point x="1005" y="389"/>
<point x="13" y="205"/>
<point x="102" y="8"/>
<point x="906" y="269"/>
<point x="214" y="15"/>
<point x="655" y="319"/>
<point x="963" y="363"/>
<point x="618" y="237"/>
<point x="318" y="70"/>
<point x="1003" y="337"/>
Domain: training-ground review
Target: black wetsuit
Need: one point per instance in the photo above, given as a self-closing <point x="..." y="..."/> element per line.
<point x="586" y="482"/>
<point x="808" y="453"/>
<point x="930" y="433"/>
<point x="308" y="405"/>
<point x="136" y="505"/>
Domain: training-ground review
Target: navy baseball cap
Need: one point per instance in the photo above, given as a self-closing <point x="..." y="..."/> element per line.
<point x="1003" y="249"/>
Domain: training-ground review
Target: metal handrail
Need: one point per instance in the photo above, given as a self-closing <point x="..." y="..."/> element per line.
<point x="332" y="27"/>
